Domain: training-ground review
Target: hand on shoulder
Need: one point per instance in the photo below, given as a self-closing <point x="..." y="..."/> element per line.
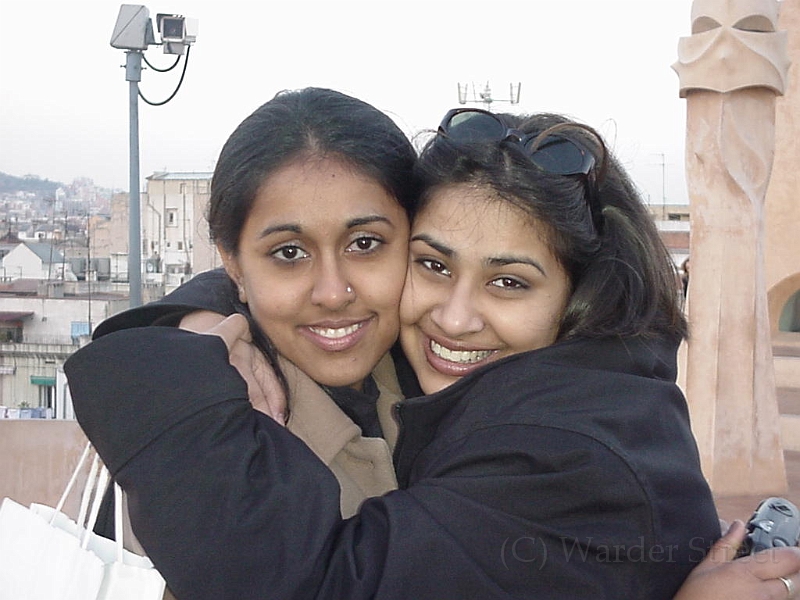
<point x="263" y="386"/>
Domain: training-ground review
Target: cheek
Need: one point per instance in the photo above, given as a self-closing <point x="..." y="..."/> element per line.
<point x="273" y="304"/>
<point x="529" y="329"/>
<point x="407" y="313"/>
<point x="391" y="290"/>
<point x="380" y="286"/>
<point x="412" y="301"/>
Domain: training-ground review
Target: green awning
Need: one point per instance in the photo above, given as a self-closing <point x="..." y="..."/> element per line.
<point x="42" y="380"/>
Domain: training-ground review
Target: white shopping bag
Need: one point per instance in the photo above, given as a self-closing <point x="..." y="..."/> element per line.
<point x="45" y="555"/>
<point x="127" y="575"/>
<point x="42" y="562"/>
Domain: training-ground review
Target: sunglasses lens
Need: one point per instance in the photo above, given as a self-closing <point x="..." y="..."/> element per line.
<point x="555" y="154"/>
<point x="561" y="156"/>
<point x="470" y="126"/>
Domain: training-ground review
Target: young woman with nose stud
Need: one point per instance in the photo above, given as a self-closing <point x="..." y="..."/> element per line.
<point x="309" y="209"/>
<point x="553" y="457"/>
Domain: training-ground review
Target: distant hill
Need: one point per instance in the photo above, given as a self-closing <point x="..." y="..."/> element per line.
<point x="29" y="183"/>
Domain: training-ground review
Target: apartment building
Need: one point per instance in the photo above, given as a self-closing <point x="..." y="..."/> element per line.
<point x="174" y="230"/>
<point x="41" y="324"/>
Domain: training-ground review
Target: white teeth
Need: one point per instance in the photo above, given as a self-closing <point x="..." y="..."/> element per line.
<point x="465" y="357"/>
<point x="335" y="334"/>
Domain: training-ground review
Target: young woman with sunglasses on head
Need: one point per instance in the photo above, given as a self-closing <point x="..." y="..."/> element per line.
<point x="553" y="458"/>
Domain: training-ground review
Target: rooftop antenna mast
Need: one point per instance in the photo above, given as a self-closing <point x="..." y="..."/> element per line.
<point x="469" y="92"/>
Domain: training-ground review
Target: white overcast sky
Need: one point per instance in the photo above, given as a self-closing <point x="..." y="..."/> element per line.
<point x="64" y="98"/>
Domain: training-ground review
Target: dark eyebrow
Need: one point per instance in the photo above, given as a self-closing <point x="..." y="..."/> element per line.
<point x="359" y="221"/>
<point x="495" y="261"/>
<point x="501" y="261"/>
<point x="294" y="228"/>
<point x="291" y="227"/>
<point x="438" y="246"/>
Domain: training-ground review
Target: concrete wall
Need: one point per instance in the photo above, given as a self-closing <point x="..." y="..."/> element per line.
<point x="37" y="458"/>
<point x="782" y="216"/>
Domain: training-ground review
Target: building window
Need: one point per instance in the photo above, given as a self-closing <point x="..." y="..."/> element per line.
<point x="790" y="315"/>
<point x="172" y="217"/>
<point x="46" y="393"/>
<point x="78" y="329"/>
<point x="10" y="333"/>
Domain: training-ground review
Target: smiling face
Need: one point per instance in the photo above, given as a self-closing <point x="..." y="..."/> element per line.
<point x="321" y="263"/>
<point x="482" y="284"/>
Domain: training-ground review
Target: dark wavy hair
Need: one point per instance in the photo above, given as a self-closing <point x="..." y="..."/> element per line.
<point x="622" y="276"/>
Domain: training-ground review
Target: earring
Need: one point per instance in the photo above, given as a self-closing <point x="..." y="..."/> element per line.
<point x="349" y="289"/>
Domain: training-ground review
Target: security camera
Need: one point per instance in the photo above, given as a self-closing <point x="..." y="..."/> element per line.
<point x="177" y="28"/>
<point x="177" y="32"/>
<point x="171" y="27"/>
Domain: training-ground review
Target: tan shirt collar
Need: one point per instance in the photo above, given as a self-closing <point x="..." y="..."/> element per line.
<point x="317" y="420"/>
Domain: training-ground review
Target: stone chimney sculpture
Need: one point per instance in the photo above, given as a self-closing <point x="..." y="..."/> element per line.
<point x="731" y="69"/>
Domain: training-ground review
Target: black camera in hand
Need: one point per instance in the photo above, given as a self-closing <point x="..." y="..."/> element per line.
<point x="775" y="523"/>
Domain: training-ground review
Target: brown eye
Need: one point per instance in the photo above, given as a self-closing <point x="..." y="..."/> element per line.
<point x="509" y="283"/>
<point x="434" y="266"/>
<point x="289" y="253"/>
<point x="365" y="244"/>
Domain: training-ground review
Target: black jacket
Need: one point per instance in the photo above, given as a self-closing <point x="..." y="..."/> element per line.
<point x="567" y="472"/>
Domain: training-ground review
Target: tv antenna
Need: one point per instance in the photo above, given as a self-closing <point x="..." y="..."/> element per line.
<point x="469" y="92"/>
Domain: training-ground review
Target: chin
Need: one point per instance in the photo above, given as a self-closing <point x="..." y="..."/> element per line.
<point x="352" y="382"/>
<point x="340" y="378"/>
<point x="432" y="385"/>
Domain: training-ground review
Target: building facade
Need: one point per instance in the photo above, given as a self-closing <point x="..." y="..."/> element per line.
<point x="173" y="223"/>
<point x="41" y="324"/>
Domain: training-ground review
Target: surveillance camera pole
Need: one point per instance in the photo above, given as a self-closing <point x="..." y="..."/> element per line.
<point x="133" y="32"/>
<point x="133" y="75"/>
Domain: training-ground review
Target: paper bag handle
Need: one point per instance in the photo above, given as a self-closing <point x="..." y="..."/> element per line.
<point x="94" y="490"/>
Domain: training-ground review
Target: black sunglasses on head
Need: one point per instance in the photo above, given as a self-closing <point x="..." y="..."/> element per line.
<point x="554" y="153"/>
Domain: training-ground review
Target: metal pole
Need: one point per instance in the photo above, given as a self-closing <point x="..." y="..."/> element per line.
<point x="663" y="187"/>
<point x="133" y="74"/>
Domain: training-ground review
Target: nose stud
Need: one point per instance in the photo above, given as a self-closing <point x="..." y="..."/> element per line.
<point x="349" y="289"/>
